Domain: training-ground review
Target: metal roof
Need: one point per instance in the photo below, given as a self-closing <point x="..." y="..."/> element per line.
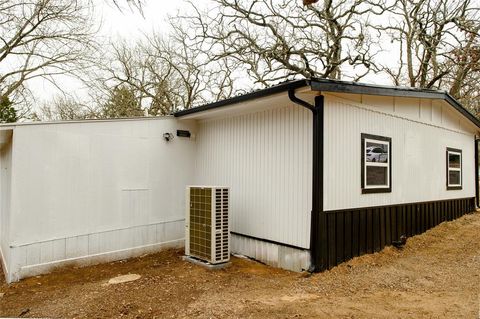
<point x="118" y="119"/>
<point x="326" y="85"/>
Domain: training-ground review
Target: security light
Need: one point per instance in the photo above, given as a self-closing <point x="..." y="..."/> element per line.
<point x="168" y="136"/>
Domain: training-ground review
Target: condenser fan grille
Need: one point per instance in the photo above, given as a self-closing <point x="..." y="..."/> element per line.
<point x="208" y="224"/>
<point x="200" y="222"/>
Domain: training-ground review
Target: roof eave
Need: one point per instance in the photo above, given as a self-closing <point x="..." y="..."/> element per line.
<point x="246" y="97"/>
<point x="359" y="88"/>
<point x="341" y="87"/>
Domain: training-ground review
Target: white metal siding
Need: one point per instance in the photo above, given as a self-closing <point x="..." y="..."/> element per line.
<point x="271" y="254"/>
<point x="420" y="131"/>
<point x="265" y="158"/>
<point x="97" y="188"/>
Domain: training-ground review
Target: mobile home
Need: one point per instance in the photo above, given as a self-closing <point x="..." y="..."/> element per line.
<point x="319" y="171"/>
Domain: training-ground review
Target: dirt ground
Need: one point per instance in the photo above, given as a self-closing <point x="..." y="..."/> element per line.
<point x="435" y="276"/>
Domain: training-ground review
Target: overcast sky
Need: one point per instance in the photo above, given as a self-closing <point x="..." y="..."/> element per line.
<point x="130" y="23"/>
<point x="126" y="23"/>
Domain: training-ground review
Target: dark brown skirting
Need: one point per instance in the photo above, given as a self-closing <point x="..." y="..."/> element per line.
<point x="354" y="232"/>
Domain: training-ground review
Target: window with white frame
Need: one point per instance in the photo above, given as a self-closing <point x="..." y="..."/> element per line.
<point x="376" y="164"/>
<point x="454" y="169"/>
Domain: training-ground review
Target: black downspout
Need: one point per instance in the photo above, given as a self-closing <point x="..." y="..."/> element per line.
<point x="318" y="220"/>
<point x="476" y="173"/>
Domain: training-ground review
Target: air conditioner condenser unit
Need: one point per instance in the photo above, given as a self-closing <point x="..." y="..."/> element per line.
<point x="206" y="224"/>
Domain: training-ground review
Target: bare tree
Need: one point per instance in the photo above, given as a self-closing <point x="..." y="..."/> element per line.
<point x="278" y="40"/>
<point x="135" y="4"/>
<point x="435" y="41"/>
<point x="464" y="79"/>
<point x="63" y="108"/>
<point x="41" y="39"/>
<point x="165" y="75"/>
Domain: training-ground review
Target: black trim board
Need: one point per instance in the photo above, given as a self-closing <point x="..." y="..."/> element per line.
<point x="268" y="241"/>
<point x="326" y="85"/>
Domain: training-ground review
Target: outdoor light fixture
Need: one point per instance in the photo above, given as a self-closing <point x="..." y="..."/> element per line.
<point x="168" y="136"/>
<point x="183" y="133"/>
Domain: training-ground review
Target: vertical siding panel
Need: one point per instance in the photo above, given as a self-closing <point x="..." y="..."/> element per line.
<point x="362" y="231"/>
<point x="369" y="246"/>
<point x="348" y="235"/>
<point x="332" y="257"/>
<point x="423" y="226"/>
<point x="444" y="211"/>
<point x="394" y="222"/>
<point x="449" y="210"/>
<point x="340" y="237"/>
<point x="414" y="219"/>
<point x="407" y="212"/>
<point x="383" y="227"/>
<point x="431" y="216"/>
<point x="388" y="225"/>
<point x="265" y="158"/>
<point x="355" y="232"/>
<point x="376" y="229"/>
<point x="418" y="211"/>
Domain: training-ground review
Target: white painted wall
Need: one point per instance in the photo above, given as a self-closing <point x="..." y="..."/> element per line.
<point x="265" y="157"/>
<point x="421" y="130"/>
<point x="96" y="191"/>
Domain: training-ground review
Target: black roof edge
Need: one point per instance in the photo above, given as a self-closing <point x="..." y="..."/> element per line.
<point x="371" y="89"/>
<point x="327" y="85"/>
<point x="249" y="96"/>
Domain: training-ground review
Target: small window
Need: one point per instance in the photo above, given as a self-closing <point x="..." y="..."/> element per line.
<point x="454" y="169"/>
<point x="376" y="164"/>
